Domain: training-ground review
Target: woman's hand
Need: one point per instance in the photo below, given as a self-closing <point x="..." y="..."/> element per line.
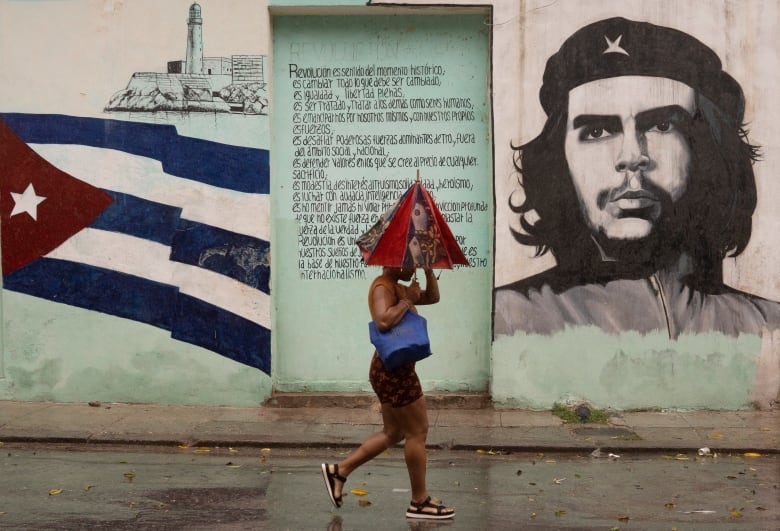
<point x="431" y="293"/>
<point x="414" y="292"/>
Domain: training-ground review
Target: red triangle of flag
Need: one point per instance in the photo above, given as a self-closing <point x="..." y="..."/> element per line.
<point x="40" y="205"/>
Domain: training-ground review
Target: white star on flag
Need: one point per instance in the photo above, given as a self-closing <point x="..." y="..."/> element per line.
<point x="27" y="201"/>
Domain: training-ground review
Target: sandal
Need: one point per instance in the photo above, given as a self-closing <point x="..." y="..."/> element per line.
<point x="330" y="482"/>
<point x="429" y="509"/>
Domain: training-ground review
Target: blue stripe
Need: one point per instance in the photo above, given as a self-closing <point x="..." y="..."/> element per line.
<point x="234" y="167"/>
<point x="97" y="289"/>
<point x="234" y="255"/>
<point x="139" y="217"/>
<point x="187" y="318"/>
<point x="232" y="336"/>
<point x="237" y="256"/>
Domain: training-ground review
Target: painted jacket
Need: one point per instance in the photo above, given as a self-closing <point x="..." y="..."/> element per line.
<point x="661" y="299"/>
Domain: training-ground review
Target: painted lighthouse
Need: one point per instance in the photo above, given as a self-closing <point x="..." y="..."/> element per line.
<point x="194" y="58"/>
<point x="197" y="83"/>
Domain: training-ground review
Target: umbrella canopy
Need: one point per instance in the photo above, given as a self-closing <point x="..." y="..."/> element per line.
<point x="412" y="233"/>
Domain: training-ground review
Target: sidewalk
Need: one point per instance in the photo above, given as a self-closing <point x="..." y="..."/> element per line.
<point x="453" y="429"/>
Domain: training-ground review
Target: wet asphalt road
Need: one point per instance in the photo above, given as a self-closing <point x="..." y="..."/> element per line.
<point x="57" y="487"/>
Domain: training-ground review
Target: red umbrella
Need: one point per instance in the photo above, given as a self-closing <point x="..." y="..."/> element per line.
<point x="412" y="233"/>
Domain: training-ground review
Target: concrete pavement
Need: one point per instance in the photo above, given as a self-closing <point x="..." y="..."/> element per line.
<point x="453" y="428"/>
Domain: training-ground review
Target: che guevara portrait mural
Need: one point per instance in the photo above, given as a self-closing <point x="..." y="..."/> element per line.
<point x="640" y="183"/>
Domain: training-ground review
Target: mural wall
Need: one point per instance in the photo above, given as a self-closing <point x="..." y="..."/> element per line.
<point x="608" y="167"/>
<point x="134" y="199"/>
<point x="634" y="268"/>
<point x="359" y="113"/>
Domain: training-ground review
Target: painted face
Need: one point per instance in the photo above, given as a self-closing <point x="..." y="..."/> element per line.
<point x="627" y="151"/>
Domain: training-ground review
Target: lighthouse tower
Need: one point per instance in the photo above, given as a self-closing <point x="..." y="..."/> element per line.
<point x="194" y="57"/>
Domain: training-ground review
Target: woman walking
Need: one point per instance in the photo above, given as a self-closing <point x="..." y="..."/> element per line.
<point x="404" y="412"/>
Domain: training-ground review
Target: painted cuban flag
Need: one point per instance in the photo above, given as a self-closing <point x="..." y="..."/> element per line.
<point x="134" y="220"/>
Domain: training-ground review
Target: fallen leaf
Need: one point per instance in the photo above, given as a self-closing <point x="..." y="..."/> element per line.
<point x="129" y="475"/>
<point x="560" y="513"/>
<point x="183" y="446"/>
<point x="202" y="450"/>
<point x="364" y="503"/>
<point x="359" y="492"/>
<point x="54" y="492"/>
<point x="759" y="508"/>
<point x="533" y="515"/>
<point x="736" y="514"/>
<point x="752" y="454"/>
<point x="232" y="450"/>
<point x="681" y="457"/>
<point x="133" y="504"/>
<point x="88" y="488"/>
<point x="265" y="450"/>
<point x="716" y="435"/>
<point x="669" y="505"/>
<point x="623" y="518"/>
<point x="550" y="461"/>
<point x="485" y="452"/>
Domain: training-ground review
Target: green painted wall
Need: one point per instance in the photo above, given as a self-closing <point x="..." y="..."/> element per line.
<point x="628" y="370"/>
<point x="373" y="73"/>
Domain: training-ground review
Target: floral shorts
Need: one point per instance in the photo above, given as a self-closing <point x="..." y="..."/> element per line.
<point x="398" y="387"/>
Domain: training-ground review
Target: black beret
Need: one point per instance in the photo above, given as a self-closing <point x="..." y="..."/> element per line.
<point x="619" y="47"/>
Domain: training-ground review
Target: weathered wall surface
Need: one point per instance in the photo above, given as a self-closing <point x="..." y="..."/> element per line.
<point x="589" y="332"/>
<point x="151" y="282"/>
<point x="135" y="203"/>
<point x="357" y="113"/>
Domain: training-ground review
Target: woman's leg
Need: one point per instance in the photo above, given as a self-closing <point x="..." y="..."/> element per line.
<point x="372" y="446"/>
<point x="413" y="420"/>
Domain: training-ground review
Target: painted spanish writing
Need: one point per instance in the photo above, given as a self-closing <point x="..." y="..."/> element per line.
<point x="358" y="135"/>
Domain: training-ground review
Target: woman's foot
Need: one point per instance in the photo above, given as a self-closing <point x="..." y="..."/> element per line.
<point x="334" y="482"/>
<point x="430" y="509"/>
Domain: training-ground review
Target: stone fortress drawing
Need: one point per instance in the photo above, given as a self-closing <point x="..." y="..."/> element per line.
<point x="199" y="84"/>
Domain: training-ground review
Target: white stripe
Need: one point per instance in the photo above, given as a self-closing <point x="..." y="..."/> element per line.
<point x="147" y="259"/>
<point x="110" y="169"/>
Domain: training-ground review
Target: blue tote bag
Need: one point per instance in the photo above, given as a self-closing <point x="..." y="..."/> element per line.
<point x="406" y="342"/>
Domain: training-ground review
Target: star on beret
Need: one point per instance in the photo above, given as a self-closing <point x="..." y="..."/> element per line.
<point x="614" y="46"/>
